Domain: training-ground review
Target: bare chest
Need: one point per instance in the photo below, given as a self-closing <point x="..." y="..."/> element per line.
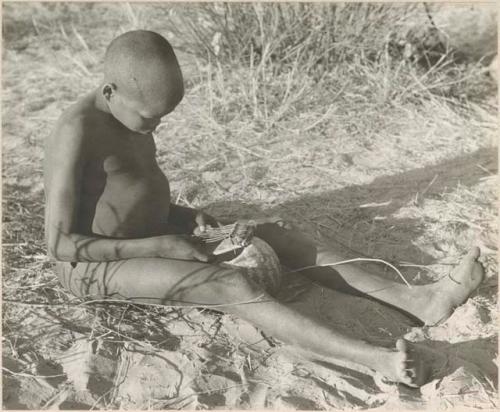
<point x="128" y="160"/>
<point x="125" y="190"/>
<point x="136" y="157"/>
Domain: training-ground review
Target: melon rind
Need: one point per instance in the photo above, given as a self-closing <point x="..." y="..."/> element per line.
<point x="261" y="264"/>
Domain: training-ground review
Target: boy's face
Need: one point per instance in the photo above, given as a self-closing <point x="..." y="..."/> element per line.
<point x="134" y="114"/>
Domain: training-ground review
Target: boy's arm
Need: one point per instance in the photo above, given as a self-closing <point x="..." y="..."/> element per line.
<point x="66" y="151"/>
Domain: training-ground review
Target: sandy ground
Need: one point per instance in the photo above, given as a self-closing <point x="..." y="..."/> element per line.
<point x="416" y="196"/>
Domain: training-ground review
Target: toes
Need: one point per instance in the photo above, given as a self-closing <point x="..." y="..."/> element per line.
<point x="411" y="373"/>
<point x="408" y="378"/>
<point x="473" y="254"/>
<point x="470" y="271"/>
<point x="477" y="273"/>
<point x="409" y="366"/>
<point x="409" y="382"/>
<point x="401" y="345"/>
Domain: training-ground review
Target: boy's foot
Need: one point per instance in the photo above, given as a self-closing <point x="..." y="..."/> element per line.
<point x="406" y="365"/>
<point x="453" y="290"/>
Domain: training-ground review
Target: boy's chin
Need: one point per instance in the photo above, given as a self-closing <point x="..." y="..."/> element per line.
<point x="138" y="130"/>
<point x="141" y="131"/>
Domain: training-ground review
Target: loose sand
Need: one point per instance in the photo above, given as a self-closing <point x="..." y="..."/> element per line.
<point x="412" y="181"/>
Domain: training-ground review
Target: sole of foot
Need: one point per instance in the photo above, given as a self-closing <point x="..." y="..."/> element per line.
<point x="412" y="369"/>
<point x="406" y="364"/>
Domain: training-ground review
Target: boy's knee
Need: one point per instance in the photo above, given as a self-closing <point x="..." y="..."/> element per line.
<point x="293" y="248"/>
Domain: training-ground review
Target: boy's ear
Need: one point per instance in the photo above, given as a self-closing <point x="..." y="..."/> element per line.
<point x="108" y="90"/>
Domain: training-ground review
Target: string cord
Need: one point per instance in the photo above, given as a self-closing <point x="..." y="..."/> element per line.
<point x="245" y="231"/>
<point x="343" y="262"/>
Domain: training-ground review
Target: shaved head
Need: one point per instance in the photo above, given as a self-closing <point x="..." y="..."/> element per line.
<point x="142" y="66"/>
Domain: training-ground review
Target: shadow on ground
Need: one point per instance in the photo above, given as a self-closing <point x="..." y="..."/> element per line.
<point x="374" y="231"/>
<point x="338" y="220"/>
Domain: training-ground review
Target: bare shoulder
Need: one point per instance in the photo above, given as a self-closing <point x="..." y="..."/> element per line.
<point x="67" y="143"/>
<point x="74" y="124"/>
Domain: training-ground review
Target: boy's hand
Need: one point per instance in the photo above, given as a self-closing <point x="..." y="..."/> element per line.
<point x="202" y="221"/>
<point x="182" y="247"/>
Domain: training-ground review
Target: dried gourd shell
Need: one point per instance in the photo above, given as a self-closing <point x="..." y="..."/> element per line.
<point x="260" y="263"/>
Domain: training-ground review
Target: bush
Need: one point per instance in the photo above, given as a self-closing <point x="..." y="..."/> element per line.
<point x="269" y="60"/>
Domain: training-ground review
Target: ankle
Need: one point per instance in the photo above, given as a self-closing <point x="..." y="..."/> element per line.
<point x="423" y="299"/>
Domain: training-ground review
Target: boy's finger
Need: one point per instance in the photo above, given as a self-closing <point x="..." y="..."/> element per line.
<point x="199" y="229"/>
<point x="200" y="219"/>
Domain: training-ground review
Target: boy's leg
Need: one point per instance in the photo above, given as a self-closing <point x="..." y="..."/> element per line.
<point x="429" y="303"/>
<point x="163" y="281"/>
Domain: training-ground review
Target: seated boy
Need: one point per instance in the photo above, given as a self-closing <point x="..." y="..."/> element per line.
<point x="113" y="230"/>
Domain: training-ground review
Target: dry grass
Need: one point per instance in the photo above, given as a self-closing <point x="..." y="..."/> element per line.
<point x="355" y="146"/>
